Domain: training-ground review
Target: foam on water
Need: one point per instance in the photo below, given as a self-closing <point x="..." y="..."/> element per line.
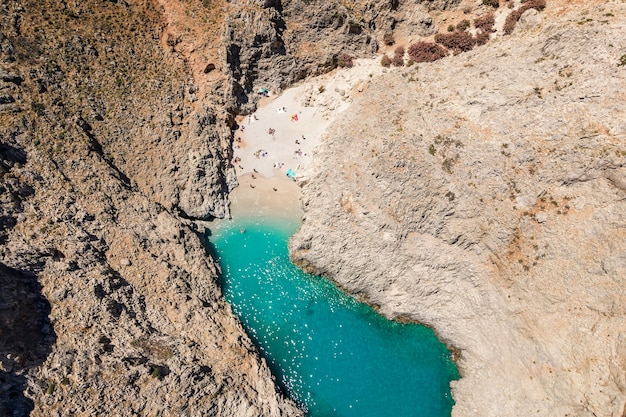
<point x="331" y="354"/>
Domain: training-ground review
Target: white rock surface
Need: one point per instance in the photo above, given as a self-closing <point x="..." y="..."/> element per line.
<point x="483" y="195"/>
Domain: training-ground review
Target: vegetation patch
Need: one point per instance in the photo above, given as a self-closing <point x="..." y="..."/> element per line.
<point x="463" y="25"/>
<point x="398" y="57"/>
<point x="426" y="52"/>
<point x="388" y="39"/>
<point x="485" y="23"/>
<point x="456" y="41"/>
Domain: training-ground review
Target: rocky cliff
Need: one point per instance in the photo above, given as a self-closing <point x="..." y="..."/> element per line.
<point x="116" y="125"/>
<point x="109" y="303"/>
<point x="484" y="195"/>
<point x="476" y="182"/>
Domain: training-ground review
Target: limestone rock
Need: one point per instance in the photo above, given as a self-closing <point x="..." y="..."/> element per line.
<point x="418" y="21"/>
<point x="483" y="195"/>
<point x="530" y="19"/>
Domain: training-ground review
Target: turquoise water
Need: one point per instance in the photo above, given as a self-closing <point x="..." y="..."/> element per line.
<point x="333" y="355"/>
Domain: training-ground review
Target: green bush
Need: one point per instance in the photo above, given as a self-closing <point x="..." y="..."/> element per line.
<point x="492" y="3"/>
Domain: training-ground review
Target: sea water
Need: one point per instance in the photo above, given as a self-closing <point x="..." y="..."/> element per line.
<point x="332" y="354"/>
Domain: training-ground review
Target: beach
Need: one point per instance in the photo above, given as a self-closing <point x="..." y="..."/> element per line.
<point x="276" y="196"/>
<point x="273" y="147"/>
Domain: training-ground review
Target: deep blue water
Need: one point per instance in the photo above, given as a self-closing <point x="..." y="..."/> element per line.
<point x="333" y="355"/>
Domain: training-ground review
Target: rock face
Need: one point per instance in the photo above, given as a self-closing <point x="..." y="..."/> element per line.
<point x="109" y="302"/>
<point x="273" y="44"/>
<point x="484" y="196"/>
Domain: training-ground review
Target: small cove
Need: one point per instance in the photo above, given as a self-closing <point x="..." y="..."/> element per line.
<point x="332" y="354"/>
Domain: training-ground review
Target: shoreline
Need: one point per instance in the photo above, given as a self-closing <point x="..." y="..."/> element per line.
<point x="260" y="196"/>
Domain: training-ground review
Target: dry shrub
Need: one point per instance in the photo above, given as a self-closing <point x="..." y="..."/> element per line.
<point x="397" y="61"/>
<point x="538" y="5"/>
<point x="398" y="57"/>
<point x="457" y="41"/>
<point x="485" y="23"/>
<point x="463" y="24"/>
<point x="426" y="52"/>
<point x="511" y="21"/>
<point x="482" y="38"/>
<point x="385" y="61"/>
<point x="492" y="3"/>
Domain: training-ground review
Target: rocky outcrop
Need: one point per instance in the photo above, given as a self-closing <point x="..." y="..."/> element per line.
<point x="270" y="44"/>
<point x="483" y="195"/>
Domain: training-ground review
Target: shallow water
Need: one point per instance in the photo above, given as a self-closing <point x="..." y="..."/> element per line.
<point x="333" y="355"/>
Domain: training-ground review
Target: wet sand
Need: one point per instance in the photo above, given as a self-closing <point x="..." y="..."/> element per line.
<point x="268" y="196"/>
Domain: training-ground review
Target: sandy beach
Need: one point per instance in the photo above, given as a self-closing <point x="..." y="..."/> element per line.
<point x="281" y="136"/>
<point x="277" y="196"/>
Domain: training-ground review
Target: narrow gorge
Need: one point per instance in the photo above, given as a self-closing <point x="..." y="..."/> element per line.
<point x="482" y="194"/>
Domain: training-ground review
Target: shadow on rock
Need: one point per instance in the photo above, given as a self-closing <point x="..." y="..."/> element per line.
<point x="26" y="337"/>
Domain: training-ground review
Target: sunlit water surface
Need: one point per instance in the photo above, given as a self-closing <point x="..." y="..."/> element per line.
<point x="333" y="355"/>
